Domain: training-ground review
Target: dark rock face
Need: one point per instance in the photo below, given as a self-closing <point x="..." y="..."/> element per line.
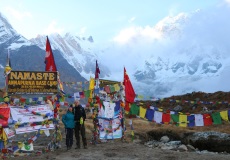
<point x="211" y="141"/>
<point x="31" y="58"/>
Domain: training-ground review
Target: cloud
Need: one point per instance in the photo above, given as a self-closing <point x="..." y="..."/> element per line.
<point x="193" y="38"/>
<point x="173" y="10"/>
<point x="174" y="38"/>
<point x="132" y="19"/>
<point x="138" y="34"/>
<point x="53" y="28"/>
<point x="19" y="15"/>
<point x="83" y="30"/>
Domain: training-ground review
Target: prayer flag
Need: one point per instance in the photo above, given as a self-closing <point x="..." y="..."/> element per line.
<point x="166" y="118"/>
<point x="207" y="119"/>
<point x="150" y="114"/>
<point x="97" y="71"/>
<point x="134" y="110"/>
<point x="199" y="120"/>
<point x="142" y="112"/>
<point x="191" y="120"/>
<point x="175" y="118"/>
<point x="129" y="91"/>
<point x="224" y="115"/>
<point x="49" y="59"/>
<point x="183" y="120"/>
<point x="216" y="118"/>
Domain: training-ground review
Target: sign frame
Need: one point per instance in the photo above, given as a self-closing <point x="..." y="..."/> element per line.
<point x="32" y="82"/>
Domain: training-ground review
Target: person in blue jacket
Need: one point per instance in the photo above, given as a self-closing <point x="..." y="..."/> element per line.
<point x="68" y="120"/>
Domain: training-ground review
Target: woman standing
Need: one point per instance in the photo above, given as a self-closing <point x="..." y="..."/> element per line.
<point x="68" y="120"/>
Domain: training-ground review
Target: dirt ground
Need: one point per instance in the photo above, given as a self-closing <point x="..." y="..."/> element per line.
<point x="134" y="151"/>
<point x="116" y="149"/>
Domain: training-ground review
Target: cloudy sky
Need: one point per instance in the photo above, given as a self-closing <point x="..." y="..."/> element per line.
<point x="137" y="31"/>
<point x="103" y="19"/>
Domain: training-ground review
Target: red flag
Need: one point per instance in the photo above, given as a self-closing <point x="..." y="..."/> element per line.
<point x="129" y="91"/>
<point x="49" y="60"/>
<point x="97" y="71"/>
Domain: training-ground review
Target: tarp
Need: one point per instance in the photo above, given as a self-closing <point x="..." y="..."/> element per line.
<point x="207" y="119"/>
<point x="31" y="114"/>
<point x="216" y="118"/>
<point x="9" y="132"/>
<point x="109" y="109"/>
<point x="101" y="112"/>
<point x="110" y="129"/>
<point x="29" y="129"/>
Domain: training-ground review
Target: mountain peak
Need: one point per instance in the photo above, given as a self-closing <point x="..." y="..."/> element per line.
<point x="90" y="39"/>
<point x="6" y="30"/>
<point x="9" y="36"/>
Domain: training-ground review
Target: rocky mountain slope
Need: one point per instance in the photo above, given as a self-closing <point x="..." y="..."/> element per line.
<point x="28" y="57"/>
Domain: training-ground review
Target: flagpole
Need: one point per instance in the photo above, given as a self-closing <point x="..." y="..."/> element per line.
<point x="96" y="86"/>
<point x="123" y="109"/>
<point x="7" y="71"/>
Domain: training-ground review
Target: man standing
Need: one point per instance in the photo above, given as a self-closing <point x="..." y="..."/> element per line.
<point x="79" y="117"/>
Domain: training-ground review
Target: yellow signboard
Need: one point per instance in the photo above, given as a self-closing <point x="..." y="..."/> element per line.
<point x="32" y="82"/>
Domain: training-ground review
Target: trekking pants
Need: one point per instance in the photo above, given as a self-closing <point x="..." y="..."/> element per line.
<point x="69" y="137"/>
<point x="80" y="129"/>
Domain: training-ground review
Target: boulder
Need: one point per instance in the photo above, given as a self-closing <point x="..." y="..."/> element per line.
<point x="182" y="148"/>
<point x="211" y="141"/>
<point x="164" y="139"/>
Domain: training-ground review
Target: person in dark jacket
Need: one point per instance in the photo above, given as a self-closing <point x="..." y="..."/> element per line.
<point x="79" y="117"/>
<point x="68" y="120"/>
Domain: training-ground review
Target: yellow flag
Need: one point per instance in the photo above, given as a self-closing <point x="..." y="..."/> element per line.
<point x="140" y="97"/>
<point x="91" y="83"/>
<point x="160" y="109"/>
<point x="116" y="87"/>
<point x="91" y="87"/>
<point x="183" y="120"/>
<point x="132" y="133"/>
<point x="224" y="115"/>
<point x="142" y="112"/>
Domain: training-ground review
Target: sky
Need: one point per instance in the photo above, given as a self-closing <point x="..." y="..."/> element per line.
<point x="140" y="32"/>
<point x="103" y="19"/>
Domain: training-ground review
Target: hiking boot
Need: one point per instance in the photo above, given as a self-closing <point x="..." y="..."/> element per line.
<point x="78" y="147"/>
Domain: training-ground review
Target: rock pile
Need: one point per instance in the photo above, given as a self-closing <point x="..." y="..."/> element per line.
<point x="166" y="144"/>
<point x="201" y="142"/>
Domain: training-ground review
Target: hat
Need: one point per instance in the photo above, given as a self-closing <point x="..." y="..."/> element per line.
<point x="70" y="106"/>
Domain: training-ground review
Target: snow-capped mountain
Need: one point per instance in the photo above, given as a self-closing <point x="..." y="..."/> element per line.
<point x="28" y="57"/>
<point x="9" y="36"/>
<point x="80" y="52"/>
<point x="180" y="54"/>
